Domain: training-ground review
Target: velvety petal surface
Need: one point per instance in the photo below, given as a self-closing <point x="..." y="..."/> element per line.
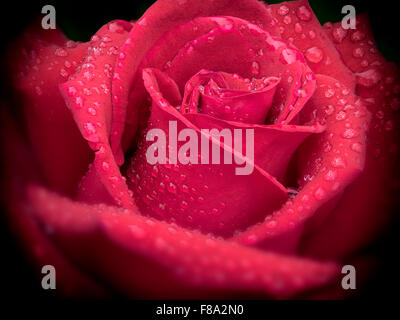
<point x="132" y="252"/>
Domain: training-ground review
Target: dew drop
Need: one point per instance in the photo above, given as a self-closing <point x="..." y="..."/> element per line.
<point x="349" y="133"/>
<point x="60" y="52"/>
<point x="329" y="93"/>
<point x="319" y="193"/>
<point x="283" y="10"/>
<point x="287" y="20"/>
<point x="339" y="34"/>
<point x="303" y="13"/>
<point x="358" y="52"/>
<point x="330" y="175"/>
<point x="357" y="36"/>
<point x="171" y="187"/>
<point x="314" y="54"/>
<point x="338" y="162"/>
<point x="255" y="68"/>
<point x="356" y="147"/>
<point x="341" y="115"/>
<point x="298" y="28"/>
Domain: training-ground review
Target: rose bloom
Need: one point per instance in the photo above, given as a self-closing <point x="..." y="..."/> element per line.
<point x="81" y="196"/>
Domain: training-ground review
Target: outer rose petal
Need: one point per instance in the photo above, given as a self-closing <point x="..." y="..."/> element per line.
<point x="39" y="61"/>
<point x="162" y="16"/>
<point x="379" y="84"/>
<point x="88" y="96"/>
<point x="329" y="161"/>
<point x="143" y="257"/>
<point x="39" y="250"/>
<point x="298" y="25"/>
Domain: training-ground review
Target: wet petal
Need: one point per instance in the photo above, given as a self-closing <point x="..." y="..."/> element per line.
<point x="377" y="187"/>
<point x="229" y="97"/>
<point x="298" y="25"/>
<point x="132" y="252"/>
<point x="87" y="95"/>
<point x="163" y="16"/>
<point x="328" y="162"/>
<point x="156" y="185"/>
<point x="39" y="61"/>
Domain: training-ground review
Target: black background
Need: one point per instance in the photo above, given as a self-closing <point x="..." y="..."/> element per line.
<point x="81" y="19"/>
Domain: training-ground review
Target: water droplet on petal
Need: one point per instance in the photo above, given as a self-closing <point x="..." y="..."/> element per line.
<point x="298" y="28"/>
<point x="358" y="52"/>
<point x="349" y="133"/>
<point x="330" y="175"/>
<point x="338" y="162"/>
<point x="255" y="68"/>
<point x="303" y="13"/>
<point x="60" y="52"/>
<point x="283" y="10"/>
<point x="287" y="20"/>
<point x="319" y="194"/>
<point x="356" y="147"/>
<point x="314" y="54"/>
<point x="357" y="36"/>
<point x="115" y="27"/>
<point x="329" y="93"/>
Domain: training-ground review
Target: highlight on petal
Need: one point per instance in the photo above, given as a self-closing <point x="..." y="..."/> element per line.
<point x="328" y="162"/>
<point x="207" y="208"/>
<point x="130" y="252"/>
<point x="298" y="25"/>
<point x="87" y="94"/>
<point x="229" y="97"/>
<point x="161" y="17"/>
<point x="379" y="86"/>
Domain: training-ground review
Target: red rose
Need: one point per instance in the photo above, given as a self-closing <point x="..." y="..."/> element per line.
<point x="321" y="104"/>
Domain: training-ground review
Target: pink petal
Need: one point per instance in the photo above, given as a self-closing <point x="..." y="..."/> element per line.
<point x="300" y="26"/>
<point x="243" y="101"/>
<point x="161" y="17"/>
<point x="39" y="61"/>
<point x="143" y="257"/>
<point x="88" y="97"/>
<point x="328" y="162"/>
<point x="38" y="248"/>
<point x="376" y="189"/>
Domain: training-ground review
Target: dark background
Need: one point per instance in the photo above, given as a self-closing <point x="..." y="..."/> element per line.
<point x="81" y="19"/>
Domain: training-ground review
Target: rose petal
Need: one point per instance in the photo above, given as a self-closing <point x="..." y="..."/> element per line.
<point x="87" y="94"/>
<point x="162" y="16"/>
<point x="209" y="210"/>
<point x="328" y="162"/>
<point x="257" y="54"/>
<point x="132" y="252"/>
<point x="298" y="25"/>
<point x="378" y="185"/>
<point x="229" y="97"/>
<point x="39" y="250"/>
<point x="39" y="61"/>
